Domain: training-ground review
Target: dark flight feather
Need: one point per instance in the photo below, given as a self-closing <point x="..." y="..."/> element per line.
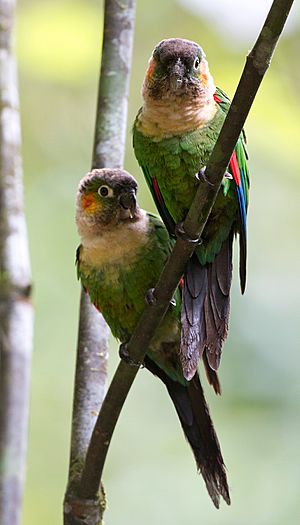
<point x="205" y="310"/>
<point x="212" y="376"/>
<point x="192" y="316"/>
<point x="217" y="304"/>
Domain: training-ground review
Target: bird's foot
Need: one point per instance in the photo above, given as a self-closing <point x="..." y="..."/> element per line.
<point x="150" y="297"/>
<point x="182" y="234"/>
<point x="201" y="177"/>
<point x="228" y="175"/>
<point x="125" y="356"/>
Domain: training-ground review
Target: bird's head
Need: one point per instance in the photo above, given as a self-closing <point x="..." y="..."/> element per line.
<point x="177" y="67"/>
<point x="105" y="198"/>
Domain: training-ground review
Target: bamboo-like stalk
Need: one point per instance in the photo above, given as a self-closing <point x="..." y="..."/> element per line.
<point x="92" y="350"/>
<point x="257" y="63"/>
<point x="16" y="313"/>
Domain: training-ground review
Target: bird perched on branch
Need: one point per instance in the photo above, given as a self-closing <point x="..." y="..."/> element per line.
<point x="122" y="253"/>
<point x="173" y="136"/>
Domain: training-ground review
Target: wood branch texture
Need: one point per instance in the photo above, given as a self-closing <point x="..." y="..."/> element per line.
<point x="92" y="349"/>
<point x="257" y="63"/>
<point x="16" y="313"/>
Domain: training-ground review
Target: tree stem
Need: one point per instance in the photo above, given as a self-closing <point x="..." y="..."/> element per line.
<point x="16" y="313"/>
<point x="92" y="349"/>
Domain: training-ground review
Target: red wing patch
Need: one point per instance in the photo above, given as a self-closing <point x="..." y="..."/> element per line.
<point x="164" y="212"/>
<point x="157" y="191"/>
<point x="235" y="169"/>
<point x="217" y="99"/>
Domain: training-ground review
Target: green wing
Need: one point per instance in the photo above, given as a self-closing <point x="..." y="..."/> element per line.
<point x="153" y="185"/>
<point x="161" y="233"/>
<point x="241" y="148"/>
<point x="239" y="170"/>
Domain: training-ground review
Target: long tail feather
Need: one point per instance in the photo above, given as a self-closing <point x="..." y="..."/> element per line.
<point x="191" y="407"/>
<point x="193" y="331"/>
<point x="205" y="310"/>
<point x="243" y="262"/>
<point x="212" y="376"/>
<point x="217" y="303"/>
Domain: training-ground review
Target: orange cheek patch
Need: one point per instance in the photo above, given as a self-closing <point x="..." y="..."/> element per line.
<point x="203" y="73"/>
<point x="150" y="69"/>
<point x="89" y="203"/>
<point x="203" y="79"/>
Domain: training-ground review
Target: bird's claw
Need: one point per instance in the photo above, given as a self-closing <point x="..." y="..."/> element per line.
<point x="201" y="177"/>
<point x="182" y="234"/>
<point x="125" y="356"/>
<point x="150" y="297"/>
<point x="123" y="351"/>
<point x="173" y="302"/>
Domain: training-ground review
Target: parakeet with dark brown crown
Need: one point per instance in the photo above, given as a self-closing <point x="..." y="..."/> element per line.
<point x="173" y="136"/>
<point x="123" y="250"/>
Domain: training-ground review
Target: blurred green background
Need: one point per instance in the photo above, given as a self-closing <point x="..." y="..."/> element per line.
<point x="150" y="474"/>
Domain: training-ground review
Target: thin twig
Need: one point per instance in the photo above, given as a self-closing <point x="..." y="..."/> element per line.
<point x="16" y="313"/>
<point x="257" y="64"/>
<point x="92" y="351"/>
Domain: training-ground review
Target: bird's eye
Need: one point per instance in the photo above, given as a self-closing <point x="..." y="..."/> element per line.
<point x="196" y="63"/>
<point x="105" y="191"/>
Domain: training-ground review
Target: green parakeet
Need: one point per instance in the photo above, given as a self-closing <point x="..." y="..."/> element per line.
<point x="173" y="137"/>
<point x="123" y="250"/>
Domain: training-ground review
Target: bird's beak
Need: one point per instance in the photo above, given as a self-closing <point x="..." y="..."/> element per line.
<point x="128" y="201"/>
<point x="177" y="75"/>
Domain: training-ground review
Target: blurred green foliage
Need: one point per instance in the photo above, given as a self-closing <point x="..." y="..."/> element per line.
<point x="150" y="475"/>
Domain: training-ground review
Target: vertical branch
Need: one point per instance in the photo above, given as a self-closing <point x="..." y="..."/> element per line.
<point x="16" y="314"/>
<point x="92" y="349"/>
<point x="111" y="120"/>
<point x="89" y="385"/>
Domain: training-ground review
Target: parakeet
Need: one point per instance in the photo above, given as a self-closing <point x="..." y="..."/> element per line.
<point x="123" y="250"/>
<point x="173" y="136"/>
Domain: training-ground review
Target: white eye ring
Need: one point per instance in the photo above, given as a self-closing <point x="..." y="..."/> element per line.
<point x="196" y="63"/>
<point x="105" y="191"/>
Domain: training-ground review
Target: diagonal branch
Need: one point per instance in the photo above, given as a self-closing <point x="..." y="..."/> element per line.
<point x="92" y="351"/>
<point x="16" y="313"/>
<point x="257" y="63"/>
